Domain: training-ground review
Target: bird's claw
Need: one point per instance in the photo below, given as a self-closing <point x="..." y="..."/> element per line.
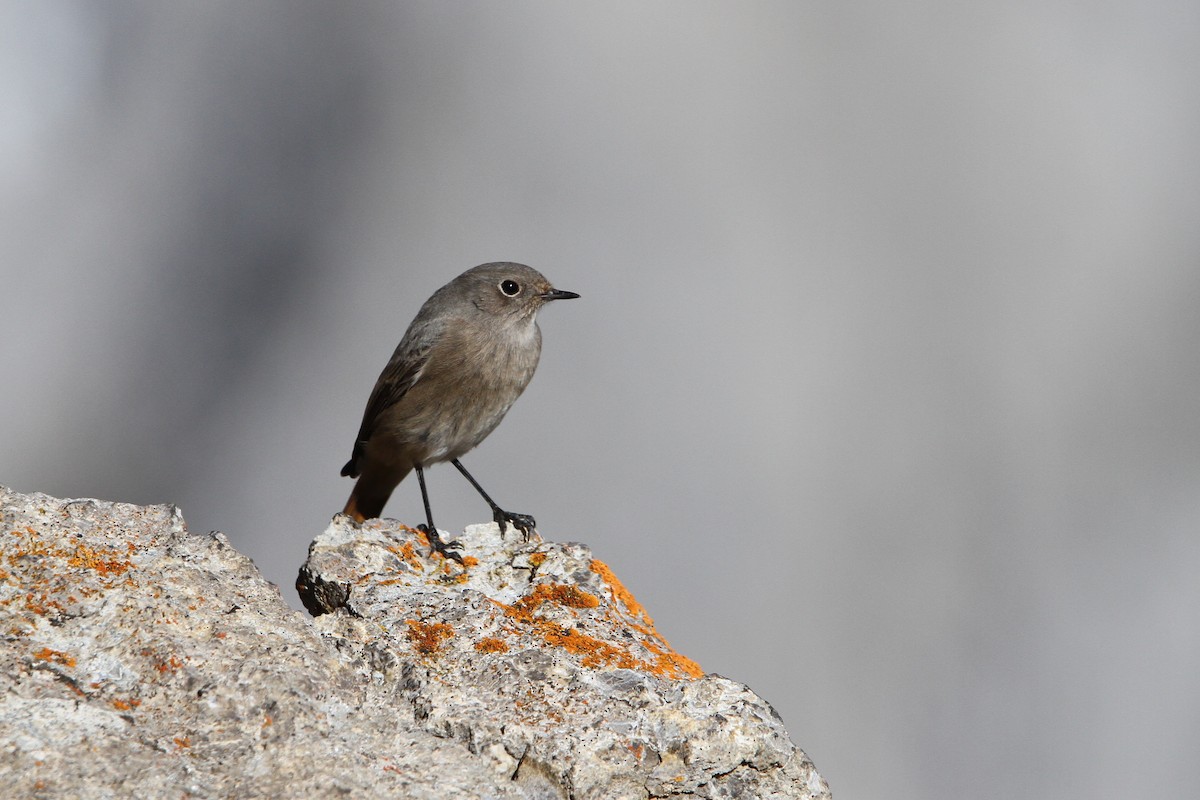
<point x="522" y="522"/>
<point x="436" y="545"/>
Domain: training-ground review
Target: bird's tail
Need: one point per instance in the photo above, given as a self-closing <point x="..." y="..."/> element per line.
<point x="369" y="496"/>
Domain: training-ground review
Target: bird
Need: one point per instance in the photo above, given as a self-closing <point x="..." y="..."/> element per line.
<point x="466" y="357"/>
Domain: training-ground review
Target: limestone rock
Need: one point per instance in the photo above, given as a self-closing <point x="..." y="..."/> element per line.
<point x="140" y="660"/>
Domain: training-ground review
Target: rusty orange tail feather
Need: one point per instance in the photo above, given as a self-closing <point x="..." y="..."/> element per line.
<point x="351" y="509"/>
<point x="368" y="497"/>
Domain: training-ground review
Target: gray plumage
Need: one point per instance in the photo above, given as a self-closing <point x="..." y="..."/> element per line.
<point x="466" y="357"/>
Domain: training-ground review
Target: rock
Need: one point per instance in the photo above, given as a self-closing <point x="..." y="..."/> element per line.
<point x="141" y="660"/>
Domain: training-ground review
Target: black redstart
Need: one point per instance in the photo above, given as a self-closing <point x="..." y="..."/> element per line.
<point x="466" y="357"/>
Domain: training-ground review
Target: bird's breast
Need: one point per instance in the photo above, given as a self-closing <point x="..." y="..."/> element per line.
<point x="471" y="379"/>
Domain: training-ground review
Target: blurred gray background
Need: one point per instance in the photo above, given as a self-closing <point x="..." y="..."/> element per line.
<point x="882" y="394"/>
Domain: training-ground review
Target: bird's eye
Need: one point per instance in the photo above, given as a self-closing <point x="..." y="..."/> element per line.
<point x="510" y="287"/>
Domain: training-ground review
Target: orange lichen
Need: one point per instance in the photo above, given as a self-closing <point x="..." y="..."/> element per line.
<point x="470" y="561"/>
<point x="558" y="593"/>
<point x="667" y="662"/>
<point x="103" y="561"/>
<point x="452" y="572"/>
<point x="537" y="559"/>
<point x="491" y="644"/>
<point x="619" y="593"/>
<point x="54" y="656"/>
<point x="42" y="604"/>
<point x="408" y="554"/>
<point x="426" y="638"/>
<point x="126" y="705"/>
<point x="595" y="652"/>
<point x="163" y="665"/>
<point x="625" y="612"/>
<point x="183" y="742"/>
<point x="670" y="664"/>
<point x="48" y="585"/>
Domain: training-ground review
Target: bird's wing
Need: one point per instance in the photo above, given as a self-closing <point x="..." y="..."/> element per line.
<point x="400" y="374"/>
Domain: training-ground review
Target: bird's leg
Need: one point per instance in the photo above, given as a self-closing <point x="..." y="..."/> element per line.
<point x="447" y="549"/>
<point x="522" y="522"/>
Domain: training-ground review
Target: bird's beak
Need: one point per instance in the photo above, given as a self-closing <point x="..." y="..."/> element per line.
<point x="558" y="294"/>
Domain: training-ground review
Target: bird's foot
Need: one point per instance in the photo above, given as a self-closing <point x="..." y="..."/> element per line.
<point x="522" y="522"/>
<point x="436" y="545"/>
